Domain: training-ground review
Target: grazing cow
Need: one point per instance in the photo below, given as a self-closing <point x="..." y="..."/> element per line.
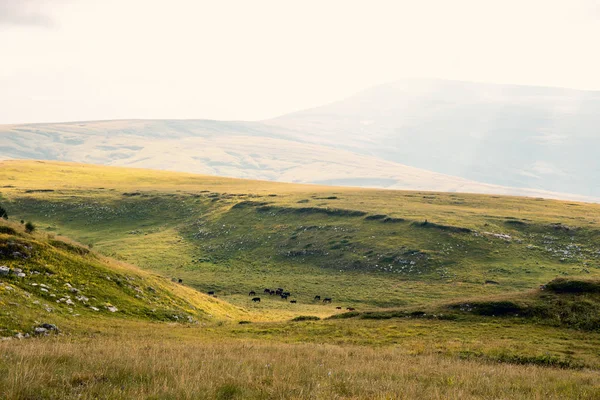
<point x="211" y="293"/>
<point x="286" y="294"/>
<point x="267" y="291"/>
<point x="317" y="298"/>
<point x="350" y="309"/>
<point x="338" y="308"/>
<point x="327" y="300"/>
<point x="283" y="297"/>
<point x="252" y="293"/>
<point x="293" y="301"/>
<point x="256" y="299"/>
<point x="180" y="280"/>
<point x="272" y="292"/>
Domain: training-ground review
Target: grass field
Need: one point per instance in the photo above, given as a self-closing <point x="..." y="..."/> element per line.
<point x="446" y="288"/>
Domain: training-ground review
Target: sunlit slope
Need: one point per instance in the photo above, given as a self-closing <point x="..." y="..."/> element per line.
<point x="250" y="150"/>
<point x="49" y="279"/>
<point x="363" y="247"/>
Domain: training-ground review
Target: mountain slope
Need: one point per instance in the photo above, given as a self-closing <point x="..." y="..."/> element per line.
<point x="518" y="136"/>
<point x="415" y="134"/>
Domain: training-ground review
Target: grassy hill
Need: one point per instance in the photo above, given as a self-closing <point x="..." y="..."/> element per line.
<point x="367" y="248"/>
<point x="50" y="279"/>
<point x="446" y="289"/>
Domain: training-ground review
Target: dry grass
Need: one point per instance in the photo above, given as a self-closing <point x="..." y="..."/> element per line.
<point x="148" y="368"/>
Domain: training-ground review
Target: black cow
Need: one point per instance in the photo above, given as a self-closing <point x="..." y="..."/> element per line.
<point x="338" y="308"/>
<point x="211" y="293"/>
<point x="267" y="291"/>
<point x="293" y="301"/>
<point x="327" y="300"/>
<point x="286" y="294"/>
<point x="256" y="299"/>
<point x="350" y="309"/>
<point x="272" y="292"/>
<point x="317" y="298"/>
<point x="252" y="293"/>
<point x="180" y="280"/>
<point x="283" y="297"/>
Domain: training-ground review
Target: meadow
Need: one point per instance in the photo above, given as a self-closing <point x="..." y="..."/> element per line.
<point x="446" y="288"/>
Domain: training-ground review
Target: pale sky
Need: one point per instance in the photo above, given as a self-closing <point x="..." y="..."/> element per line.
<point x="69" y="60"/>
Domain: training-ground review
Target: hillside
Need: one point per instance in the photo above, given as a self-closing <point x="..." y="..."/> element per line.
<point x="52" y="280"/>
<point x="416" y="135"/>
<point x="445" y="287"/>
<point x="364" y="248"/>
<point x="518" y="136"/>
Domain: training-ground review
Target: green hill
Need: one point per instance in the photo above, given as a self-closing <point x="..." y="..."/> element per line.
<point x="51" y="280"/>
<point x="363" y="248"/>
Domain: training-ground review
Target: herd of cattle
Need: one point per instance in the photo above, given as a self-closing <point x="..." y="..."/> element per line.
<point x="284" y="295"/>
<point x="278" y="292"/>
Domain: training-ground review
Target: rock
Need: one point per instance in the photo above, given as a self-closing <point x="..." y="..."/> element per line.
<point x="82" y="299"/>
<point x="21" y="275"/>
<point x="4" y="270"/>
<point x="44" y="286"/>
<point x="19" y="336"/>
<point x="17" y="270"/>
<point x="50" y="327"/>
<point x="112" y="308"/>
<point x="73" y="290"/>
<point x="40" y="331"/>
<point x="95" y="308"/>
<point x="44" y="290"/>
<point x="69" y="302"/>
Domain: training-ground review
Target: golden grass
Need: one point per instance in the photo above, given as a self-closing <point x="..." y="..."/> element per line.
<point x="150" y="369"/>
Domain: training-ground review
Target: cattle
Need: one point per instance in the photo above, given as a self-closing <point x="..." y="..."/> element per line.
<point x="272" y="292"/>
<point x="293" y="301"/>
<point x="350" y="309"/>
<point x="338" y="308"/>
<point x="327" y="300"/>
<point x="267" y="291"/>
<point x="283" y="297"/>
<point x="317" y="298"/>
<point x="180" y="280"/>
<point x="286" y="294"/>
<point x="252" y="293"/>
<point x="256" y="299"/>
<point x="211" y="293"/>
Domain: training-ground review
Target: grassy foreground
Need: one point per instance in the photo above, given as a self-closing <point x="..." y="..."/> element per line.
<point x="109" y="369"/>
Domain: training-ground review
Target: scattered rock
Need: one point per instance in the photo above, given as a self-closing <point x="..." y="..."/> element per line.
<point x="112" y="308"/>
<point x="4" y="270"/>
<point x="21" y="275"/>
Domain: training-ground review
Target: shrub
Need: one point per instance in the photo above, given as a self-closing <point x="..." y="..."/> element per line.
<point x="306" y="318"/>
<point x="563" y="285"/>
<point x="29" y="227"/>
<point x="3" y="213"/>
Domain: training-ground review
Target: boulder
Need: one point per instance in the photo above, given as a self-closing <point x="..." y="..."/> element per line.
<point x="4" y="270"/>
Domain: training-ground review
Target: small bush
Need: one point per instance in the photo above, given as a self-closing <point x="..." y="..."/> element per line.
<point x="29" y="227"/>
<point x="306" y="318"/>
<point x="3" y="213"/>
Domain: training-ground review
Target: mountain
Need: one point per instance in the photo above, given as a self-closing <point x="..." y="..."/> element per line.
<point x="413" y="134"/>
<point x="519" y="136"/>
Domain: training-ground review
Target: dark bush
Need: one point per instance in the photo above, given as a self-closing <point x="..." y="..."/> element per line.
<point x="306" y="318"/>
<point x="564" y="285"/>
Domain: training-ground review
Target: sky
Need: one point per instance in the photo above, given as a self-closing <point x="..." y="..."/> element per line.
<point x="73" y="60"/>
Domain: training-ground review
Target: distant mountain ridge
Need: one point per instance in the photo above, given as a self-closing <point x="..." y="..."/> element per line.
<point x="412" y="134"/>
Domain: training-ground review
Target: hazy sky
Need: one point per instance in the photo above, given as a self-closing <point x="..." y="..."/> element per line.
<point x="64" y="60"/>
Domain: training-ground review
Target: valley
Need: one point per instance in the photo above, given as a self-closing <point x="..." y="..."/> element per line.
<point x="471" y="283"/>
